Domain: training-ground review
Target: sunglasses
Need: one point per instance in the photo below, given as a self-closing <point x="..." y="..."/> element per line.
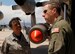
<point x="45" y="11"/>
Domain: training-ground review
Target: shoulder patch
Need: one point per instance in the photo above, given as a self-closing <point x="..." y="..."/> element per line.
<point x="55" y="30"/>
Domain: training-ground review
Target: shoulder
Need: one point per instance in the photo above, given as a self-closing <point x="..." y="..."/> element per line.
<point x="9" y="38"/>
<point x="61" y="24"/>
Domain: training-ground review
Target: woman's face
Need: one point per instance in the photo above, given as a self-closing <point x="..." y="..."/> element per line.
<point x="16" y="26"/>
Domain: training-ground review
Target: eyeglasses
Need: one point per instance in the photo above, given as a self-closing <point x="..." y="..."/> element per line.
<point x="44" y="11"/>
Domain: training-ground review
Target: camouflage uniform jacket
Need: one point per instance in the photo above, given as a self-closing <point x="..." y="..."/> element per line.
<point x="13" y="45"/>
<point x="61" y="38"/>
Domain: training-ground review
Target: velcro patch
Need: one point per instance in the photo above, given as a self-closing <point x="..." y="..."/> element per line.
<point x="55" y="30"/>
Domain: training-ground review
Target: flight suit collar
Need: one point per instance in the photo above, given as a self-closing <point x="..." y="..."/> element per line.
<point x="14" y="36"/>
<point x="58" y="19"/>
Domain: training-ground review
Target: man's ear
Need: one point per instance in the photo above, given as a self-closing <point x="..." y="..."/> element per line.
<point x="54" y="10"/>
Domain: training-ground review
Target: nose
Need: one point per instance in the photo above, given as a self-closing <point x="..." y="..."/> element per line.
<point x="43" y="15"/>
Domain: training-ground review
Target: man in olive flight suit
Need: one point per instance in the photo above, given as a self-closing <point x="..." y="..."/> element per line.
<point x="61" y="35"/>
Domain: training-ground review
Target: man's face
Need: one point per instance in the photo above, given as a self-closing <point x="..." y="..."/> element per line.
<point x="48" y="14"/>
<point x="16" y="27"/>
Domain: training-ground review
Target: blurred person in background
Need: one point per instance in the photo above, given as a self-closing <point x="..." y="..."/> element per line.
<point x="16" y="42"/>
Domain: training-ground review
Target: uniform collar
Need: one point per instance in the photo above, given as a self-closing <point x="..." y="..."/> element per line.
<point x="58" y="19"/>
<point x="14" y="36"/>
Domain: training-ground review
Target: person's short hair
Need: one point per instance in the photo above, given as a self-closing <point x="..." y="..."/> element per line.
<point x="56" y="5"/>
<point x="13" y="19"/>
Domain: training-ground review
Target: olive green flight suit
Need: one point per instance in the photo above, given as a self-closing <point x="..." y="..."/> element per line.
<point x="61" y="38"/>
<point x="13" y="45"/>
